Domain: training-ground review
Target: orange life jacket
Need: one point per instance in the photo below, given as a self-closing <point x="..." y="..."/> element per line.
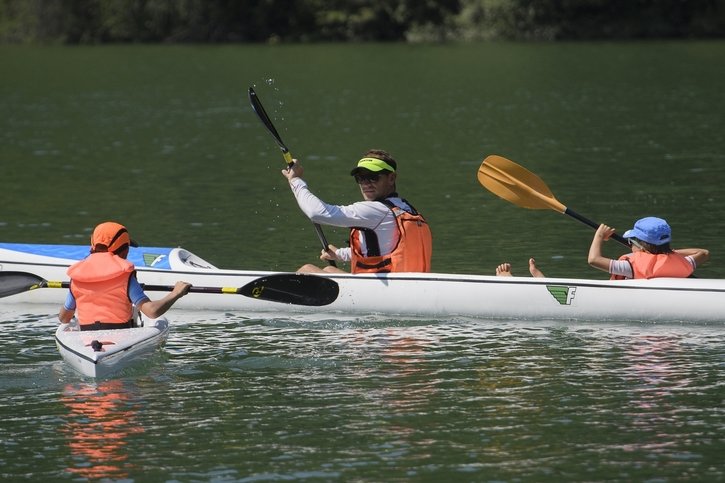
<point x="99" y="284"/>
<point x="412" y="253"/>
<point x="648" y="265"/>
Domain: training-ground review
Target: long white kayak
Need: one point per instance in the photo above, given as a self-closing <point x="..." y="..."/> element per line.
<point x="99" y="353"/>
<point x="400" y="295"/>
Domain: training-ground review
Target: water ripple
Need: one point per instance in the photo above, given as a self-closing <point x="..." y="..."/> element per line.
<point x="280" y="397"/>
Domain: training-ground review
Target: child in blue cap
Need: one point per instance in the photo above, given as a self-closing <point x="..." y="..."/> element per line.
<point x="651" y="255"/>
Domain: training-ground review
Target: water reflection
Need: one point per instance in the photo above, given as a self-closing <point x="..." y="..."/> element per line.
<point x="404" y="355"/>
<point x="101" y="417"/>
<point x="656" y="368"/>
<point x="659" y="369"/>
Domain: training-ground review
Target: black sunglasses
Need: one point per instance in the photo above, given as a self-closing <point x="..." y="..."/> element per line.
<point x="373" y="178"/>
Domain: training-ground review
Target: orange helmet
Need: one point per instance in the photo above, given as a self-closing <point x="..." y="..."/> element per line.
<point x="112" y="236"/>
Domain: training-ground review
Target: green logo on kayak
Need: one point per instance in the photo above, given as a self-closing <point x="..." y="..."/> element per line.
<point x="151" y="259"/>
<point x="561" y="293"/>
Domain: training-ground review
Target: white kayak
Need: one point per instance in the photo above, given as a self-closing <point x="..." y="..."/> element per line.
<point x="401" y="295"/>
<point x="99" y="353"/>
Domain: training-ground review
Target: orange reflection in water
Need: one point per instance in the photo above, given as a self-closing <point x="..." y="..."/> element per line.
<point x="101" y="416"/>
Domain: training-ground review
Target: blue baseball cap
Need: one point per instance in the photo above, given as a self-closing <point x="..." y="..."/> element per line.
<point x="651" y="230"/>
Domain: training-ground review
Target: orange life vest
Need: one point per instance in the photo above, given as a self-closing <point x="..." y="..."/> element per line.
<point x="412" y="253"/>
<point x="648" y="265"/>
<point x="99" y="284"/>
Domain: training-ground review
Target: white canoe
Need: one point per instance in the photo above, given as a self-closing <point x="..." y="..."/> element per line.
<point x="99" y="353"/>
<point x="434" y="295"/>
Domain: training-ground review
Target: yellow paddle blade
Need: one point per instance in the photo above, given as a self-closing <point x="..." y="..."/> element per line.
<point x="516" y="184"/>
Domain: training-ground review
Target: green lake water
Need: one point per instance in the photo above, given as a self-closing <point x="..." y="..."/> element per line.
<point x="162" y="139"/>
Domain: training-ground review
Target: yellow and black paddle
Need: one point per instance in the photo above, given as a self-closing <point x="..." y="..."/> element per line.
<point x="519" y="186"/>
<point x="286" y="288"/>
<point x="262" y="114"/>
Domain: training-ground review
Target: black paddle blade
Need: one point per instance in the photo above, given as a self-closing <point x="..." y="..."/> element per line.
<point x="262" y="114"/>
<point x="293" y="288"/>
<point x="12" y="283"/>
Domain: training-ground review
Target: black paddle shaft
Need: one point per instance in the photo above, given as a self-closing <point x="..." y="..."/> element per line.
<point x="594" y="225"/>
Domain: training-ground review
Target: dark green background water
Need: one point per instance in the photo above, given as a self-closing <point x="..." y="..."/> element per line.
<point x="162" y="138"/>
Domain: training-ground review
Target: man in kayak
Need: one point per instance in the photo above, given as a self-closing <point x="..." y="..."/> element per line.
<point x="104" y="288"/>
<point x="386" y="233"/>
<point x="651" y="255"/>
